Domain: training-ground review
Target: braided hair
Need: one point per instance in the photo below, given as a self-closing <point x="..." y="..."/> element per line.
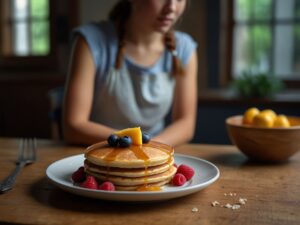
<point x="170" y="42"/>
<point x="120" y="14"/>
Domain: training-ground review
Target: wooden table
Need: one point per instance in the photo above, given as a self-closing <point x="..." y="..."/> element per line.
<point x="272" y="192"/>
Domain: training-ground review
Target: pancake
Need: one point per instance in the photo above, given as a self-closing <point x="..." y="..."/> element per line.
<point x="137" y="167"/>
<point x="128" y="172"/>
<point x="142" y="187"/>
<point x="135" y="181"/>
<point x="146" y="155"/>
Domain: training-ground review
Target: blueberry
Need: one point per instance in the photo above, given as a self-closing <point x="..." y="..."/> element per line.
<point x="125" y="141"/>
<point x="146" y="137"/>
<point x="113" y="140"/>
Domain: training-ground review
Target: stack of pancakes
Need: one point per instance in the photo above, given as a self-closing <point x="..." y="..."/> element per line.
<point x="137" y="167"/>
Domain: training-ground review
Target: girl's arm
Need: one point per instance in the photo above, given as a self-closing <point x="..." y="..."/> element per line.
<point x="78" y="129"/>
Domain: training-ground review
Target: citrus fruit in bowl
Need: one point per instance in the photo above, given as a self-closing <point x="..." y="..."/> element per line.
<point x="265" y="139"/>
<point x="249" y="115"/>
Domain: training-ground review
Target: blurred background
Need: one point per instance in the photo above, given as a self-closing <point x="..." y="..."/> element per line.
<point x="237" y="41"/>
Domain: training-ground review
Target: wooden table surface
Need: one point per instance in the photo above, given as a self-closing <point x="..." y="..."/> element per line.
<point x="272" y="192"/>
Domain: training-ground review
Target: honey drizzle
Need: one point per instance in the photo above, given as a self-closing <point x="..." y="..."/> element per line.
<point x="168" y="151"/>
<point x="140" y="154"/>
<point x="156" y="145"/>
<point x="110" y="157"/>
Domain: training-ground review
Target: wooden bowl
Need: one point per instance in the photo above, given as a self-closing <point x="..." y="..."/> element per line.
<point x="265" y="144"/>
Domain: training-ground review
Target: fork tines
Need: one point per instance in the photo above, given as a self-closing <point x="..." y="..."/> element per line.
<point x="27" y="150"/>
<point x="27" y="155"/>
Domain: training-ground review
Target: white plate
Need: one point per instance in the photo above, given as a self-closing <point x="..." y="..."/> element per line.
<point x="206" y="173"/>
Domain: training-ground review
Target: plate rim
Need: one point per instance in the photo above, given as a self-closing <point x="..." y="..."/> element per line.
<point x="190" y="189"/>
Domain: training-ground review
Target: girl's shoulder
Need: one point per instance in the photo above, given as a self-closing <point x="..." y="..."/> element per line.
<point x="185" y="46"/>
<point x="184" y="38"/>
<point x="102" y="41"/>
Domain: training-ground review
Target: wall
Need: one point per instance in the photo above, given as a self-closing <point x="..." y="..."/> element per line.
<point x="94" y="10"/>
<point x="25" y="104"/>
<point x="24" y="92"/>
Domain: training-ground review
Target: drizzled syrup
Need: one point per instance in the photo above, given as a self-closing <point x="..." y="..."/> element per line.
<point x="112" y="155"/>
<point x="140" y="154"/>
<point x="164" y="148"/>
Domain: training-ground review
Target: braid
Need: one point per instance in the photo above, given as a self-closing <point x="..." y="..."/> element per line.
<point x="121" y="45"/>
<point x="119" y="14"/>
<point x="170" y="42"/>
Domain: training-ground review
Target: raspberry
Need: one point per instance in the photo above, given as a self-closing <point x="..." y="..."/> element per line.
<point x="179" y="179"/>
<point x="90" y="183"/>
<point x="175" y="165"/>
<point x="79" y="175"/>
<point x="107" y="186"/>
<point x="187" y="171"/>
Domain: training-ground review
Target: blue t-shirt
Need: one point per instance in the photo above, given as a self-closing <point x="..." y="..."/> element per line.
<point x="135" y="95"/>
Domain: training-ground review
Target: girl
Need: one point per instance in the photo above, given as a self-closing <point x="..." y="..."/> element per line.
<point x="131" y="71"/>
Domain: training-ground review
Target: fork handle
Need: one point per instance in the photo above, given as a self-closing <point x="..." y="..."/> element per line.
<point x="9" y="181"/>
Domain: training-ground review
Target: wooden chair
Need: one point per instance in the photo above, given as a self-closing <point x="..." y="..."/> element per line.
<point x="56" y="96"/>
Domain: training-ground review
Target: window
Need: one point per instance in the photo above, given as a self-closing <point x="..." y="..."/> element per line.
<point x="26" y="29"/>
<point x="266" y="37"/>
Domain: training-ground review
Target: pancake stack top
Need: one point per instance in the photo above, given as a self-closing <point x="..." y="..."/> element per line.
<point x="137" y="167"/>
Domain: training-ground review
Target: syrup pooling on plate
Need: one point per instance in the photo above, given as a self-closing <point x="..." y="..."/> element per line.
<point x="146" y="187"/>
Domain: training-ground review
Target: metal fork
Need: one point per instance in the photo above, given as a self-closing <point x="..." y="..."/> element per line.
<point x="27" y="155"/>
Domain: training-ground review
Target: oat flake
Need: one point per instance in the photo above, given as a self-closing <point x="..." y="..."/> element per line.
<point x="236" y="206"/>
<point x="195" y="209"/>
<point x="215" y="203"/>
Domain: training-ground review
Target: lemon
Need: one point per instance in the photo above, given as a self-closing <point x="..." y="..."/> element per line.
<point x="263" y="120"/>
<point x="249" y="115"/>
<point x="281" y="121"/>
<point x="269" y="112"/>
